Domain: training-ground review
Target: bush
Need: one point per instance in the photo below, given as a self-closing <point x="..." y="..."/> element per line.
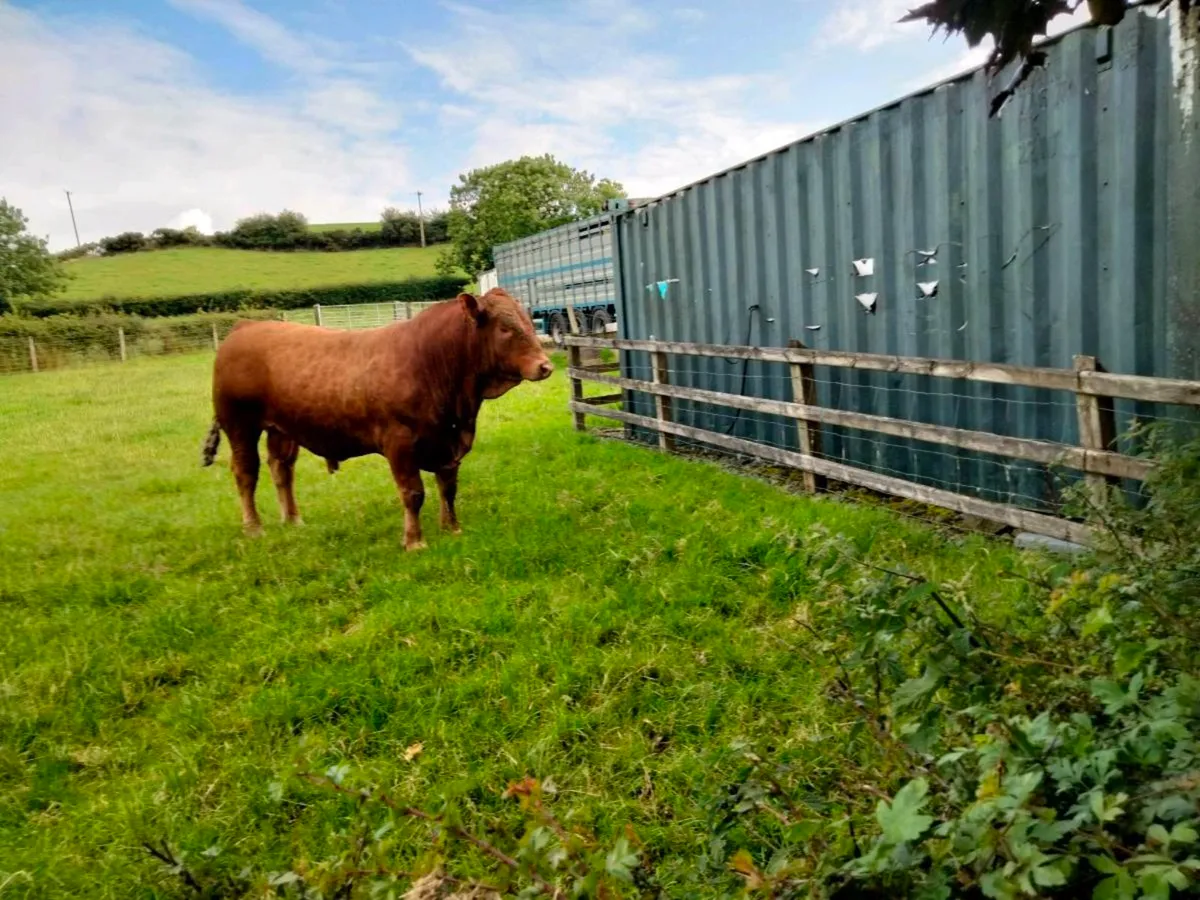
<point x="127" y="242"/>
<point x="161" y="238"/>
<point x="286" y="231"/>
<point x="436" y="288"/>
<point x="90" y="249"/>
<point x="993" y="750"/>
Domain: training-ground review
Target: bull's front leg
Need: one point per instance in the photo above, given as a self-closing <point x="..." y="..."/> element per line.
<point x="447" y="480"/>
<point x="412" y="493"/>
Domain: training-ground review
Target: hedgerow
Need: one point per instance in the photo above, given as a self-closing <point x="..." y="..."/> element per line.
<point x="438" y="287"/>
<point x="58" y="339"/>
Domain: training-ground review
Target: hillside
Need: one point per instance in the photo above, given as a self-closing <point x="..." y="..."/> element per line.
<point x="193" y="270"/>
<point x="336" y="226"/>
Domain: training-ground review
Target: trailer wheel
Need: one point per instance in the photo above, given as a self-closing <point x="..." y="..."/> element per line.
<point x="558" y="328"/>
<point x="601" y="318"/>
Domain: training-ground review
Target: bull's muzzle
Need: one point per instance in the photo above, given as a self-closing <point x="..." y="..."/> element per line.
<point x="542" y="371"/>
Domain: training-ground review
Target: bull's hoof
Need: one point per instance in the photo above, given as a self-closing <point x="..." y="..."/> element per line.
<point x="252" y="530"/>
<point x="415" y="545"/>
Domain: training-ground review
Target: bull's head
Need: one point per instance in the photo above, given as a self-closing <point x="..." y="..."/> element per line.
<point x="511" y="351"/>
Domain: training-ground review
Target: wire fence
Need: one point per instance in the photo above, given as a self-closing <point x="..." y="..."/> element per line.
<point x="974" y="407"/>
<point x="45" y="345"/>
<point x="358" y="315"/>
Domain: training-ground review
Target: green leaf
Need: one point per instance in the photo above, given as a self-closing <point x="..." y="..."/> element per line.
<point x="1097" y="620"/>
<point x="1049" y="876"/>
<point x="915" y="690"/>
<point x="1119" y="887"/>
<point x="1105" y="864"/>
<point x="1183" y="834"/>
<point x="621" y="861"/>
<point x="1110" y="694"/>
<point x="902" y="820"/>
<point x="1158" y="834"/>
<point x="802" y="831"/>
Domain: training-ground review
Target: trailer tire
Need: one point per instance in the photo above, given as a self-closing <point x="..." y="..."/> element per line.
<point x="558" y="328"/>
<point x="600" y="318"/>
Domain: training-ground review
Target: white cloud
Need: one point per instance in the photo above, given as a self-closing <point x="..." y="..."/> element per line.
<point x="627" y="116"/>
<point x="193" y="218"/>
<point x="869" y="24"/>
<point x="270" y="38"/>
<point x="129" y="126"/>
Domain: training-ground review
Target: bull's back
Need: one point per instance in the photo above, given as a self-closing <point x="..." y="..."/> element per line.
<point x="309" y="382"/>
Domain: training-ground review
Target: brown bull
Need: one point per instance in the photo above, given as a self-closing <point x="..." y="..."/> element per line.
<point x="409" y="391"/>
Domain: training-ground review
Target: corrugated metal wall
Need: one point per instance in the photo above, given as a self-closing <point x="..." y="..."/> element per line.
<point x="1047" y="230"/>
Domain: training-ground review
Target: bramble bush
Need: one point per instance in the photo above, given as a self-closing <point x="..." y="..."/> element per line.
<point x="1044" y="746"/>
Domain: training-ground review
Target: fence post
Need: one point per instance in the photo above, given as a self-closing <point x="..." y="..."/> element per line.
<point x="1097" y="428"/>
<point x="317" y="313"/>
<point x="33" y="363"/>
<point x="121" y="340"/>
<point x="216" y="339"/>
<point x="575" y="360"/>
<point x="408" y="310"/>
<point x="804" y="391"/>
<point x="395" y="310"/>
<point x="662" y="404"/>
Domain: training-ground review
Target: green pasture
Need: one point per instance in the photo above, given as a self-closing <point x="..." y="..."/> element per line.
<point x="612" y="620"/>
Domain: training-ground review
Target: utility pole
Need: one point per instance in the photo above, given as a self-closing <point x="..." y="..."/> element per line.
<point x="71" y="207"/>
<point x="421" y="218"/>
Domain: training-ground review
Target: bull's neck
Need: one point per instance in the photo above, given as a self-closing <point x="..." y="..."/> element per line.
<point x="451" y="359"/>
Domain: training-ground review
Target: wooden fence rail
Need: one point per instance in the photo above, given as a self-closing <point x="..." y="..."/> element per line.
<point x="1092" y="386"/>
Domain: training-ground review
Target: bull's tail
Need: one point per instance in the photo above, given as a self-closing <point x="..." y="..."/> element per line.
<point x="211" y="443"/>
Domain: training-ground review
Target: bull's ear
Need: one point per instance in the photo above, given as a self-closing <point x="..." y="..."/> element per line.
<point x="471" y="307"/>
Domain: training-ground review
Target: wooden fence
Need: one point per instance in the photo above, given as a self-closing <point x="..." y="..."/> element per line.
<point x="1094" y="391"/>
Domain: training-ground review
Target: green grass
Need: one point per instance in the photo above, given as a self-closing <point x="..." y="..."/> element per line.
<point x="335" y="226"/>
<point x="198" y="270"/>
<point x="612" y="618"/>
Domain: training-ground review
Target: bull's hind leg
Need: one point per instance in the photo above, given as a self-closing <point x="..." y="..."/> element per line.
<point x="243" y="444"/>
<point x="447" y="480"/>
<point x="281" y="457"/>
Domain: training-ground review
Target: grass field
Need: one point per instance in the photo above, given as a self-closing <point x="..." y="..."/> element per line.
<point x="612" y="619"/>
<point x="336" y="226"/>
<point x="197" y="270"/>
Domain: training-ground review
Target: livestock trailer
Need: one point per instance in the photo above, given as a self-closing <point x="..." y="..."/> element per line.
<point x="570" y="266"/>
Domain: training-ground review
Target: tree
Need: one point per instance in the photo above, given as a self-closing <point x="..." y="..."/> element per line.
<point x="264" y="231"/>
<point x="515" y="199"/>
<point x="1013" y="25"/>
<point x="126" y="242"/>
<point x="27" y="269"/>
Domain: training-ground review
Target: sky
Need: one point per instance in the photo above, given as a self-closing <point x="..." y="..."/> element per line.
<point x="198" y="112"/>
